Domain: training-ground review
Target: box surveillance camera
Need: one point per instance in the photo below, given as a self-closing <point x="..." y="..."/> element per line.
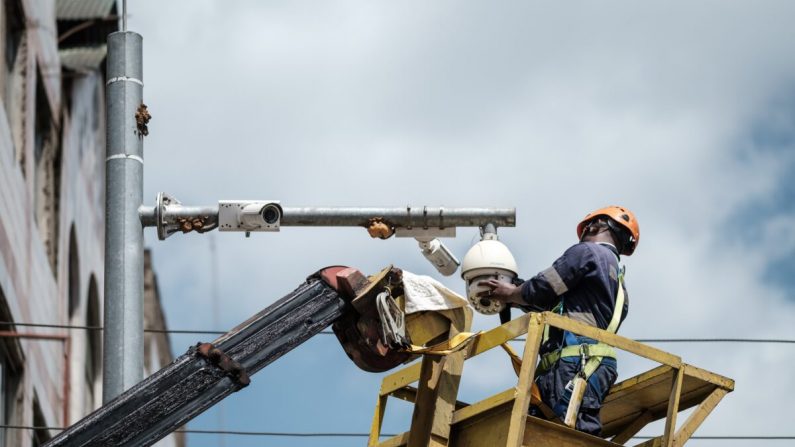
<point x="249" y="215"/>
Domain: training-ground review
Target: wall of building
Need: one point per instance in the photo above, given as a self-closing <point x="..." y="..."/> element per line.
<point x="52" y="146"/>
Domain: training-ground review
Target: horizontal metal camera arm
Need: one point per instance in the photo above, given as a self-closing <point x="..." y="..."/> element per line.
<point x="169" y="215"/>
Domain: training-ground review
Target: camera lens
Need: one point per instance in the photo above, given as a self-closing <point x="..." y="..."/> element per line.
<point x="270" y="214"/>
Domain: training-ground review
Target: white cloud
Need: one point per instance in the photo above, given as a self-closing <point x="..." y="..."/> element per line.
<point x="554" y="109"/>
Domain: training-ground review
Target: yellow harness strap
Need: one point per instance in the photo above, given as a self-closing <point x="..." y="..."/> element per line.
<point x="516" y="361"/>
<point x="596" y="351"/>
<point x="457" y="343"/>
<point x="535" y="393"/>
<point x="619" y="309"/>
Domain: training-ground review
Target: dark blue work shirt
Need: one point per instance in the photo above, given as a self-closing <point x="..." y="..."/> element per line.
<point x="585" y="278"/>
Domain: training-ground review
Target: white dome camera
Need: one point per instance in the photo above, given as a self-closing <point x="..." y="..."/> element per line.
<point x="488" y="259"/>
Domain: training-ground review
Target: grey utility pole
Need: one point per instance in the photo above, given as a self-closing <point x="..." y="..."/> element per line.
<point x="124" y="249"/>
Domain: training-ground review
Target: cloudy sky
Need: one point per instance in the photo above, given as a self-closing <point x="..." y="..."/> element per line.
<point x="682" y="111"/>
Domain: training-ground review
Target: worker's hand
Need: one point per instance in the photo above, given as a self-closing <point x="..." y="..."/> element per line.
<point x="500" y="291"/>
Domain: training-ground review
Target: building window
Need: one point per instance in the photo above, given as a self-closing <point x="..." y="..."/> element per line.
<point x="93" y="347"/>
<point x="13" y="73"/>
<point x="74" y="273"/>
<point x="10" y="399"/>
<point x="4" y="413"/>
<point x="40" y="435"/>
<point x="47" y="176"/>
<point x="10" y="374"/>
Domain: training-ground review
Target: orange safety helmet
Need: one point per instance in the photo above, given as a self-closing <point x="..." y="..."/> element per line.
<point x="621" y="216"/>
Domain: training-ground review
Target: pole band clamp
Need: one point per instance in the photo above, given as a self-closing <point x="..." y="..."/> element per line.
<point x="125" y="156"/>
<point x="125" y="79"/>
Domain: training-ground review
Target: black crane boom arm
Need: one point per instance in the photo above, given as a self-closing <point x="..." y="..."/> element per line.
<point x="208" y="372"/>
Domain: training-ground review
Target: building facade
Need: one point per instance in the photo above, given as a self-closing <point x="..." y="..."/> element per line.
<point x="52" y="151"/>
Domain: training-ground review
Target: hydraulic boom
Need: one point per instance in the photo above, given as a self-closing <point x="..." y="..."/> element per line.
<point x="209" y="372"/>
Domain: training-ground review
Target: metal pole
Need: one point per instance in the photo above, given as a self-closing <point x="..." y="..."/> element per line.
<point x="124" y="15"/>
<point x="407" y="217"/>
<point x="123" y="346"/>
<point x="169" y="216"/>
<point x="410" y="217"/>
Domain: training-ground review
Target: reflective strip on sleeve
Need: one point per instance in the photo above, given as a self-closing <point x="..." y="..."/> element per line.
<point x="554" y="279"/>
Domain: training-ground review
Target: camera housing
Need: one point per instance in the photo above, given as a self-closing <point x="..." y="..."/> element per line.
<point x="439" y="255"/>
<point x="249" y="215"/>
<point x="488" y="259"/>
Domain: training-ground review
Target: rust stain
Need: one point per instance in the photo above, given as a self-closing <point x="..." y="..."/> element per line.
<point x="377" y="227"/>
<point x="142" y="117"/>
<point x="220" y="359"/>
<point x="186" y="225"/>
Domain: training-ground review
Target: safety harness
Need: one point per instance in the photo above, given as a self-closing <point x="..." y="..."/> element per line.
<point x="591" y="355"/>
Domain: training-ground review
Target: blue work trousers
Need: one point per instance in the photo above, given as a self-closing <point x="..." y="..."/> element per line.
<point x="552" y="385"/>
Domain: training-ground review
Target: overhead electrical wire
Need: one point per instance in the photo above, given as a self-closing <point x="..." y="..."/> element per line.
<point x="99" y="328"/>
<point x="384" y="435"/>
<point x="706" y="340"/>
<point x="210" y="332"/>
<point x="340" y="434"/>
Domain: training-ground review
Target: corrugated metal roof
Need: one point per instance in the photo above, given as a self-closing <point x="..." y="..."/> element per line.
<point x="82" y="9"/>
<point x="83" y="58"/>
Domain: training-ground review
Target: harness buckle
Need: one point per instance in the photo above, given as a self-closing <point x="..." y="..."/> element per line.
<point x="584" y="356"/>
<point x="585" y="353"/>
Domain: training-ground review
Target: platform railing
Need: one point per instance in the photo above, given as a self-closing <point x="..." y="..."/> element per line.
<point x="532" y="325"/>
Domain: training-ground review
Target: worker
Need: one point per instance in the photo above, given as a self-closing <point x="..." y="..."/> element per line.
<point x="586" y="285"/>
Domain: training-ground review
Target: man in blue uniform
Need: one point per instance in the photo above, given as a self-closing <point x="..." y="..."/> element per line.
<point x="586" y="285"/>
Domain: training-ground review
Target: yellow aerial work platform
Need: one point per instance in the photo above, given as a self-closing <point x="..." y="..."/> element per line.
<point x="502" y="420"/>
